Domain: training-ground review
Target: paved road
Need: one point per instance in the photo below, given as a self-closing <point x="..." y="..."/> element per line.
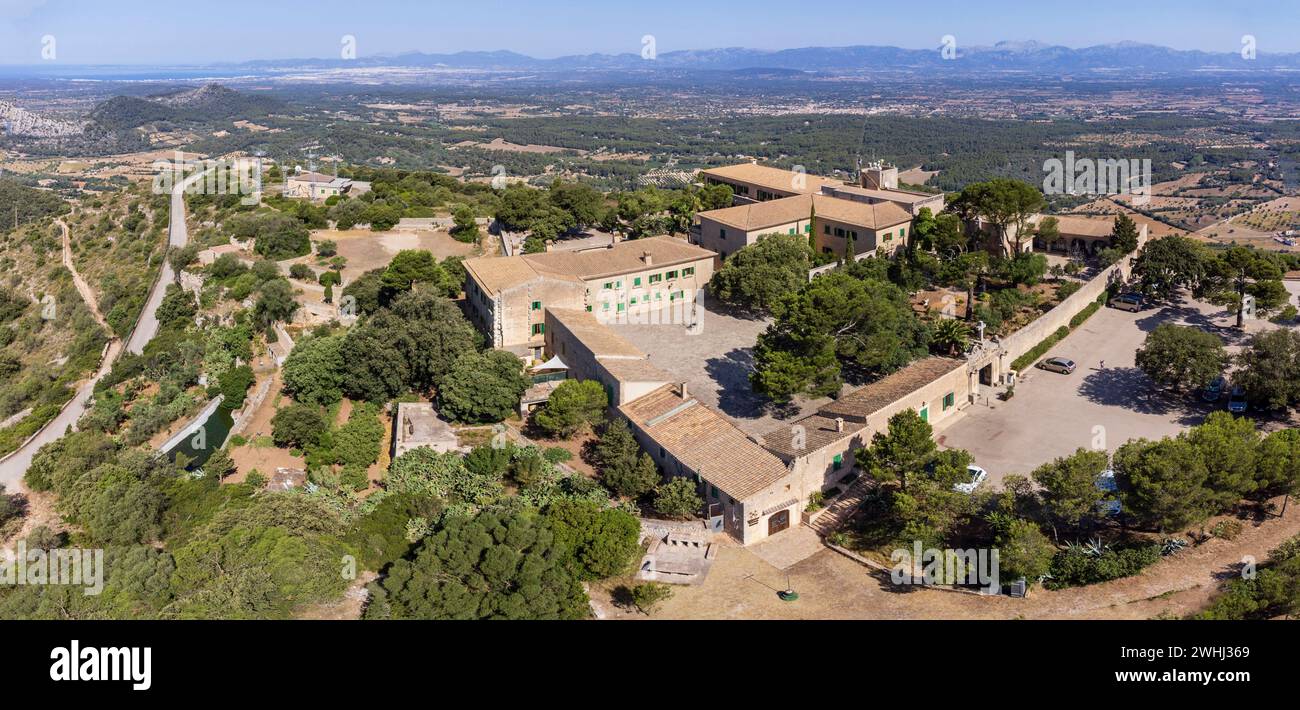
<point x="13" y="466"/>
<point x="146" y="327"/>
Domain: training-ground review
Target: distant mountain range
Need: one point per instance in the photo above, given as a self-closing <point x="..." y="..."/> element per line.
<point x="1004" y="56"/>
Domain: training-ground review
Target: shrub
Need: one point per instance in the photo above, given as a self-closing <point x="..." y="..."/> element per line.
<point x="677" y="499"/>
<point x="297" y="425"/>
<point x="1076" y="567"/>
<point x="1038" y="350"/>
<point x="302" y="272"/>
<point x="555" y="454"/>
<point x="649" y="595"/>
<point x="1226" y="529"/>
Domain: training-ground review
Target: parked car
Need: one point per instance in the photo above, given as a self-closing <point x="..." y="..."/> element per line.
<point x="1128" y="302"/>
<point x="1106" y="482"/>
<point x="1237" y="400"/>
<point x="977" y="476"/>
<point x="1062" y="365"/>
<point x="1214" y="390"/>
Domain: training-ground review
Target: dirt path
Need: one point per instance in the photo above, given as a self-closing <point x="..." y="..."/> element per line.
<point x="87" y="294"/>
<point x="831" y="586"/>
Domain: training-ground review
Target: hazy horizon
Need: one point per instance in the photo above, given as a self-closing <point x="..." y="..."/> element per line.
<point x="145" y="33"/>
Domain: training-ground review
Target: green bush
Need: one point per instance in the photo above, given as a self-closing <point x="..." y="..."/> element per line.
<point x="1038" y="350"/>
<point x="1076" y="567"/>
<point x="1084" y="315"/>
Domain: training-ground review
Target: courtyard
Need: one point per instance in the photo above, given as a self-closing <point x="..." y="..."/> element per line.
<point x="715" y="361"/>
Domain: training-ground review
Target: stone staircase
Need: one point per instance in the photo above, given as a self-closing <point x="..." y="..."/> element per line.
<point x="830" y="518"/>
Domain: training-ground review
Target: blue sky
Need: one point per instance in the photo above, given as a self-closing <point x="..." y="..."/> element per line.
<point x="203" y="31"/>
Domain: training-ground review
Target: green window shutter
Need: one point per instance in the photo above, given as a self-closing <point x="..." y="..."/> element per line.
<point x="839" y="460"/>
<point x="537" y="305"/>
<point x="636" y="281"/>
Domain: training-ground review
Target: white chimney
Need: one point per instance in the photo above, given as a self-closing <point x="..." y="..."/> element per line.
<point x="839" y="424"/>
<point x="685" y="392"/>
<point x="645" y="257"/>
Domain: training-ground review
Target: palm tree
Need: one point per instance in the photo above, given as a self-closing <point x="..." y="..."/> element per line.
<point x="950" y="336"/>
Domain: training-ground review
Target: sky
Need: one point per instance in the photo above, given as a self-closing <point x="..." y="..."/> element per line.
<point x="211" y="31"/>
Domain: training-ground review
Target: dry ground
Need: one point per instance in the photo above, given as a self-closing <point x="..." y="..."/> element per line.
<point x="832" y="586"/>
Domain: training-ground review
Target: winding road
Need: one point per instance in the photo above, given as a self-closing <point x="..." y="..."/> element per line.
<point x="14" y="465"/>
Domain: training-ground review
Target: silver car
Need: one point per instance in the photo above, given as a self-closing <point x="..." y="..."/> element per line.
<point x="1062" y="365"/>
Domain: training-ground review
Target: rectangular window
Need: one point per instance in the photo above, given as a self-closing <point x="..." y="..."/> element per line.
<point x="659" y="295"/>
<point x="620" y="308"/>
<point x="722" y="234"/>
<point x="671" y="275"/>
<point x="839" y="461"/>
<point x="807" y="228"/>
<point x="539" y="328"/>
<point x="688" y="271"/>
<point x="948" y="400"/>
<point x="902" y="232"/>
<point x="609" y="285"/>
<point x="618" y="284"/>
<point x="604" y="306"/>
<point x="589" y="309"/>
<point x="826" y="229"/>
<point x="791" y="230"/>
<point x="537" y="305"/>
<point x="656" y="278"/>
<point x="839" y="232"/>
<point x="636" y="281"/>
<point x="634" y="300"/>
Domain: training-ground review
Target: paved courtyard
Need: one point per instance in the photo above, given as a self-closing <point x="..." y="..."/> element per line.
<point x="1051" y="415"/>
<point x="715" y="362"/>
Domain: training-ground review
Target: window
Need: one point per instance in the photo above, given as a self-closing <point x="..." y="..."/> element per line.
<point x="688" y="271"/>
<point x="902" y="232"/>
<point x="609" y="285"/>
<point x="661" y="452"/>
<point x="618" y="284"/>
<point x="537" y="305"/>
<point x="659" y="295"/>
<point x="656" y="278"/>
<point x="826" y="229"/>
<point x="948" y="400"/>
<point x="722" y="234"/>
<point x="807" y="228"/>
<point x="839" y="232"/>
<point x="620" y="308"/>
<point x="838" y="461"/>
<point x="634" y="300"/>
<point x="604" y="306"/>
<point x="636" y="281"/>
<point x="791" y="230"/>
<point x="671" y="275"/>
<point x="589" y="309"/>
<point x="539" y="328"/>
<point x="675" y="295"/>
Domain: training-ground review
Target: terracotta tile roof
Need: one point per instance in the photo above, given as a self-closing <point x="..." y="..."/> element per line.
<point x="878" y="215"/>
<point x="770" y="177"/>
<point x="818" y="431"/>
<point x="601" y="341"/>
<point x="775" y="213"/>
<point x="1081" y="225"/>
<point x="622" y="258"/>
<point x="861" y="403"/>
<point x="501" y="272"/>
<point x="494" y="274"/>
<point x="763" y="215"/>
<point x="706" y="442"/>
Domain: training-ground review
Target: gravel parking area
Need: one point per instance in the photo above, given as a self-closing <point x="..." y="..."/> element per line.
<point x="1051" y="414"/>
